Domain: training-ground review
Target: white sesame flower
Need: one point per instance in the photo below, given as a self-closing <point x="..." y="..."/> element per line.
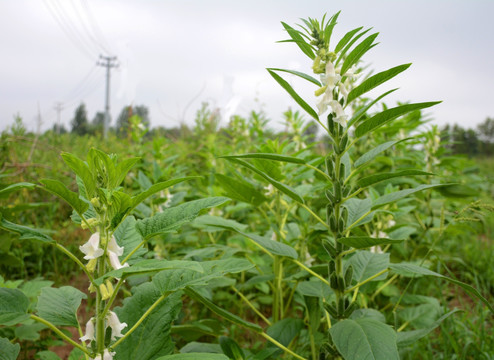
<point x="341" y="117"/>
<point x="114" y="261"/>
<point x="115" y="324"/>
<point x="113" y="247"/>
<point x="91" y="249"/>
<point x="89" y="336"/>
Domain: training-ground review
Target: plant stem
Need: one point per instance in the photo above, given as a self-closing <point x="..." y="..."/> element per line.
<point x="281" y="346"/>
<point x="313" y="214"/>
<point x="77" y="261"/>
<point x="366" y="280"/>
<point x="133" y="251"/>
<point x="242" y="296"/>
<point x="60" y="333"/>
<point x="310" y="271"/>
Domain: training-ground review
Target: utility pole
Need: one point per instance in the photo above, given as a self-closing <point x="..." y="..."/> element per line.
<point x="58" y="107"/>
<point x="108" y="62"/>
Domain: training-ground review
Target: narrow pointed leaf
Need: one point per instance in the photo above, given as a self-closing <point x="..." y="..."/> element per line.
<point x="14" y="187"/>
<point x="358" y="52"/>
<point x="123" y="168"/>
<point x="173" y="218"/>
<point x="268" y="156"/>
<point x="25" y="232"/>
<point x="59" y="189"/>
<point x="374" y="179"/>
<point x="299" y="74"/>
<point x="239" y="189"/>
<point x="285" y="189"/>
<point x="397" y="195"/>
<point x="299" y="40"/>
<point x="368" y="156"/>
<point x="345" y="39"/>
<point x="82" y="171"/>
<point x="375" y="81"/>
<point x="136" y="200"/>
<point x="388" y="115"/>
<point x="285" y="85"/>
<point x="363" y="110"/>
<point x="363" y="242"/>
<point x="222" y="312"/>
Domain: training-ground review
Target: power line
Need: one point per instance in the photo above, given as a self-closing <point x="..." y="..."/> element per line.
<point x="109" y="62"/>
<point x="96" y="29"/>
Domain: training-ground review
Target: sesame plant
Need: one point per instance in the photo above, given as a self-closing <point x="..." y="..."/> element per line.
<point x="355" y="222"/>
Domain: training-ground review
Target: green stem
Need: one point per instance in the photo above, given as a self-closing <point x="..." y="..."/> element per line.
<point x="319" y="171"/>
<point x="310" y="271"/>
<point x="366" y="280"/>
<point x="60" y="333"/>
<point x="133" y="251"/>
<point x="77" y="261"/>
<point x="242" y="296"/>
<point x="143" y="317"/>
<point x="313" y="214"/>
<point x="281" y="346"/>
<point x="113" y="296"/>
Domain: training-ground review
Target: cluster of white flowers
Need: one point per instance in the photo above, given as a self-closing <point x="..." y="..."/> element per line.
<point x="92" y="250"/>
<point x="330" y="80"/>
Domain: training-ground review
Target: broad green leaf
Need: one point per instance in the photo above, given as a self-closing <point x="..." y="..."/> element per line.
<point x="194" y="356"/>
<point x="407" y="338"/>
<point x="9" y="351"/>
<point x="136" y="200"/>
<point x="368" y="314"/>
<point x="366" y="264"/>
<point x="285" y="189"/>
<point x="150" y="266"/>
<point x="222" y="312"/>
<point x="171" y="219"/>
<point x="77" y="354"/>
<point x="267" y="156"/>
<point x="362" y="242"/>
<point x="365" y="339"/>
<point x="127" y="236"/>
<point x="407" y="268"/>
<point x="25" y="232"/>
<point x="390" y="114"/>
<point x="285" y="85"/>
<point x="47" y="355"/>
<point x="374" y="179"/>
<point x="152" y="338"/>
<point x="13" y="306"/>
<point x="284" y="331"/>
<point x="397" y="195"/>
<point x="375" y="81"/>
<point x="314" y="288"/>
<point x="231" y="349"/>
<point x="82" y="170"/>
<point x="240" y="190"/>
<point x="358" y="210"/>
<point x="420" y="316"/>
<point x="368" y="156"/>
<point x="345" y="39"/>
<point x="59" y="305"/>
<point x="123" y="168"/>
<point x="358" y="52"/>
<point x="299" y="40"/>
<point x="59" y="189"/>
<point x="216" y="223"/>
<point x="30" y="332"/>
<point x="14" y="187"/>
<point x="299" y="74"/>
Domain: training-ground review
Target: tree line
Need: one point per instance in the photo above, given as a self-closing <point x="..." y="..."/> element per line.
<point x="472" y="142"/>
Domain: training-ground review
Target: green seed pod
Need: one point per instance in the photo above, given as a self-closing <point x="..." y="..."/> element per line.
<point x="331" y="309"/>
<point x="329" y="167"/>
<point x="347" y="190"/>
<point x="341" y="307"/>
<point x="337" y="191"/>
<point x="344" y="142"/>
<point x="341" y="283"/>
<point x="341" y="224"/>
<point x="330" y="197"/>
<point x="342" y="173"/>
<point x="333" y="281"/>
<point x="350" y="309"/>
<point x="332" y="223"/>
<point x="331" y="124"/>
<point x="349" y="275"/>
<point x="329" y="249"/>
<point x="331" y="266"/>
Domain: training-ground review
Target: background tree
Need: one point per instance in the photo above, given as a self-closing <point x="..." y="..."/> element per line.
<point x="123" y="118"/>
<point x="80" y="123"/>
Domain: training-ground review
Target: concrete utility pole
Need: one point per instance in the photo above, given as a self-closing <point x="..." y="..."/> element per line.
<point x="108" y="62"/>
<point x="58" y="107"/>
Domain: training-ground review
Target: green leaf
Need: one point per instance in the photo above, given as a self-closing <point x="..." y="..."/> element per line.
<point x="284" y="331"/>
<point x="345" y="39"/>
<point x="362" y="242"/>
<point x="365" y="338"/>
<point x="240" y="190"/>
<point x="82" y="171"/>
<point x="59" y="305"/>
<point x="25" y="232"/>
<point x="407" y="268"/>
<point x="366" y="264"/>
<point x="101" y="165"/>
<point x="267" y="156"/>
<point x="47" y="355"/>
<point x="375" y="81"/>
<point x="57" y="188"/>
<point x="458" y="191"/>
<point x="374" y="179"/>
<point x="127" y="236"/>
<point x="231" y="349"/>
<point x="216" y="223"/>
<point x="314" y="289"/>
<point x="359" y="211"/>
<point x="387" y="115"/>
<point x="285" y="189"/>
<point x="368" y="156"/>
<point x="420" y="316"/>
<point x="363" y="109"/>
<point x="407" y="338"/>
<point x="222" y="312"/>
<point x="123" y="168"/>
<point x="397" y="195"/>
<point x="299" y="74"/>
<point x="13" y="306"/>
<point x="29" y="332"/>
<point x="150" y="266"/>
<point x="299" y="40"/>
<point x="194" y="356"/>
<point x="173" y="218"/>
<point x="9" y="351"/>
<point x="358" y="52"/>
<point x="14" y="187"/>
<point x="285" y="85"/>
<point x="152" y="338"/>
<point x="136" y="200"/>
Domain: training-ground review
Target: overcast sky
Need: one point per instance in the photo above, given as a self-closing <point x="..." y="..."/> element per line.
<point x="173" y="55"/>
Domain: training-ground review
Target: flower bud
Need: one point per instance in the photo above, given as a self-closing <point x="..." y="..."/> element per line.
<point x="91" y="265"/>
